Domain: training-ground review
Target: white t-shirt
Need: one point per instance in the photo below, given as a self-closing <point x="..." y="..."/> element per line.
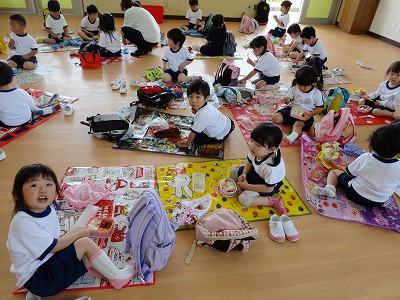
<point x="111" y="43"/>
<point x="271" y="175"/>
<point x="212" y="122"/>
<point x="390" y="97"/>
<point x="306" y="101"/>
<point x="299" y="42"/>
<point x="56" y="25"/>
<point x="140" y="19"/>
<point x="30" y="240"/>
<point x="268" y="65"/>
<point x="89" y="25"/>
<point x="175" y="59"/>
<point x="284" y="18"/>
<point x="318" y="49"/>
<point x="16" y="107"/>
<point x="193" y="16"/>
<point x="375" y="178"/>
<point x="24" y="44"/>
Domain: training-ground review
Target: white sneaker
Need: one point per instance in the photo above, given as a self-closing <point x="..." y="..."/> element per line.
<point x="289" y="229"/>
<point x="324" y="191"/>
<point x="68" y="109"/>
<point x="2" y="155"/>
<point x="137" y="83"/>
<point x="116" y="84"/>
<point x="276" y="231"/>
<point x="363" y="64"/>
<point x="122" y="89"/>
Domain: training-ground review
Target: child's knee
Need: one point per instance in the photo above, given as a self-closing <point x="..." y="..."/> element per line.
<point x="277" y="118"/>
<point x="247" y="197"/>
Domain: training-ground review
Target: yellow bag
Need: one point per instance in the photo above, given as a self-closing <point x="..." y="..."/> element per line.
<point x="3" y="45"/>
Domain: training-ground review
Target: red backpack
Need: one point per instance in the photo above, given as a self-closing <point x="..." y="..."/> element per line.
<point x="335" y="126"/>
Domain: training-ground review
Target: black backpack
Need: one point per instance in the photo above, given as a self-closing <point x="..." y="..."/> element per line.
<point x="262" y="12"/>
<point x="154" y="96"/>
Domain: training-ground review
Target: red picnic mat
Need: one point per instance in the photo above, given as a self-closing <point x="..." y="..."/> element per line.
<point x="8" y="134"/>
<point x="367" y="118"/>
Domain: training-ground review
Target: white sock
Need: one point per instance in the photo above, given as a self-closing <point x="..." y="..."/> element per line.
<point x="117" y="277"/>
<point x="46" y="111"/>
<point x="328" y="191"/>
<point x="291" y="137"/>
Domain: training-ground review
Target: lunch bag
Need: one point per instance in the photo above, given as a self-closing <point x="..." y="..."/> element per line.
<point x="111" y="127"/>
<point x="154" y="96"/>
<point x="89" y="55"/>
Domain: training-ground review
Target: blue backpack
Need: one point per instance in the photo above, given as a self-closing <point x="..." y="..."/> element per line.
<point x="230" y="44"/>
<point x="150" y="236"/>
<point x="335" y="99"/>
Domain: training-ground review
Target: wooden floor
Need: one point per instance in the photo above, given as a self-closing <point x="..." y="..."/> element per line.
<point x="332" y="260"/>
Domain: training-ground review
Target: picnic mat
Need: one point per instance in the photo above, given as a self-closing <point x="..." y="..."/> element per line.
<point x="249" y="115"/>
<point x="144" y="139"/>
<point x="27" y="77"/>
<point x="127" y="183"/>
<point x="8" y="134"/>
<point x="340" y="207"/>
<point x="175" y="184"/>
<point x="366" y="118"/>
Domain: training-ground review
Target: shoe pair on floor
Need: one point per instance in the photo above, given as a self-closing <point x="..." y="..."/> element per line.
<point x="282" y="228"/>
<point x="119" y="84"/>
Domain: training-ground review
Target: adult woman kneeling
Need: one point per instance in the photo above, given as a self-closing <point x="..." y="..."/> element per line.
<point x="139" y="28"/>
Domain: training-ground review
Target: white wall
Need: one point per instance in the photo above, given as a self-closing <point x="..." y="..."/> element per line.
<point x="386" y="15"/>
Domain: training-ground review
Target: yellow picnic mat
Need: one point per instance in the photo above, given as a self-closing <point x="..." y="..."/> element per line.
<point x="174" y="182"/>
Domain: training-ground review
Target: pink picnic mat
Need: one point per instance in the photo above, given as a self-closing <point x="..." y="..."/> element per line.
<point x="249" y="115"/>
<point x="367" y="118"/>
<point x="340" y="207"/>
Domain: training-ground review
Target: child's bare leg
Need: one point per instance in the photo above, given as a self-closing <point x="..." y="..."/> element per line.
<point x="28" y="65"/>
<point x="296" y="131"/>
<point x="293" y="55"/>
<point x="84" y="36"/>
<point x="102" y="263"/>
<point x="361" y="101"/>
<point x="67" y="38"/>
<point x="251" y="198"/>
<point x="382" y="113"/>
<point x="260" y="84"/>
<point x="166" y="78"/>
<point x="277" y="118"/>
<point x="49" y="41"/>
<point x="331" y="183"/>
<point x="12" y="64"/>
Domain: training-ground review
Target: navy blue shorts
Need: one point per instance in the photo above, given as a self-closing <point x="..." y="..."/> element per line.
<point x="372" y="104"/>
<point x="277" y="32"/>
<point x="57" y="39"/>
<point x="174" y="75"/>
<point x="19" y="60"/>
<point x="56" y="274"/>
<point x="254" y="178"/>
<point x="289" y="120"/>
<point x="352" y="195"/>
<point x="270" y="80"/>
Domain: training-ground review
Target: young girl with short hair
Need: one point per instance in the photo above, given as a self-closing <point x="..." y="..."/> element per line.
<point x="386" y="99"/>
<point x="374" y="176"/>
<point x="306" y="94"/>
<point x="110" y="40"/>
<point x="215" y="39"/>
<point x="44" y="262"/>
<point x="296" y="46"/>
<point x="266" y="65"/>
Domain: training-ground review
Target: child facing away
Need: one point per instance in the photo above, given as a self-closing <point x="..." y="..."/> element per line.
<point x="44" y="262"/>
<point x="266" y="66"/>
<point x="360" y="182"/>
<point x="194" y="16"/>
<point x="295" y="47"/>
<point x="307" y="95"/>
<point x="386" y="99"/>
<point x="110" y="40"/>
<point x="17" y="107"/>
<point x="56" y="25"/>
<point x="261" y="177"/>
<point x="90" y="24"/>
<point x="24" y="46"/>
<point x="214" y="45"/>
<point x="176" y="58"/>
<point x="210" y="125"/>
<point x="282" y="21"/>
<point x="315" y="50"/>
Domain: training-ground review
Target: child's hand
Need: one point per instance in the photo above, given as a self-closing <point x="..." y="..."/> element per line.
<point x="11" y="42"/>
<point x="242" y="178"/>
<point x="286" y="100"/>
<point x="376" y="102"/>
<point x="26" y="56"/>
<point x="242" y="185"/>
<point x="82" y="231"/>
<point x="241" y="81"/>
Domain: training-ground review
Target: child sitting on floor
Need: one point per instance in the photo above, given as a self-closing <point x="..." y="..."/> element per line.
<point x="215" y="39"/>
<point x="210" y="125"/>
<point x="296" y="46"/>
<point x="306" y="94"/>
<point x="193" y="16"/>
<point x="374" y="176"/>
<point x="386" y="99"/>
<point x="282" y="21"/>
<point x="24" y="46"/>
<point x="56" y="25"/>
<point x="16" y="105"/>
<point x="110" y="40"/>
<point x="90" y="24"/>
<point x="176" y="58"/>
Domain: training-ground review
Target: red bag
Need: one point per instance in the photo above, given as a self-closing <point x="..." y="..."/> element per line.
<point x="89" y="55"/>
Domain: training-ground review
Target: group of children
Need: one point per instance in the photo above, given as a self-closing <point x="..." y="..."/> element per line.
<point x="259" y="179"/>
